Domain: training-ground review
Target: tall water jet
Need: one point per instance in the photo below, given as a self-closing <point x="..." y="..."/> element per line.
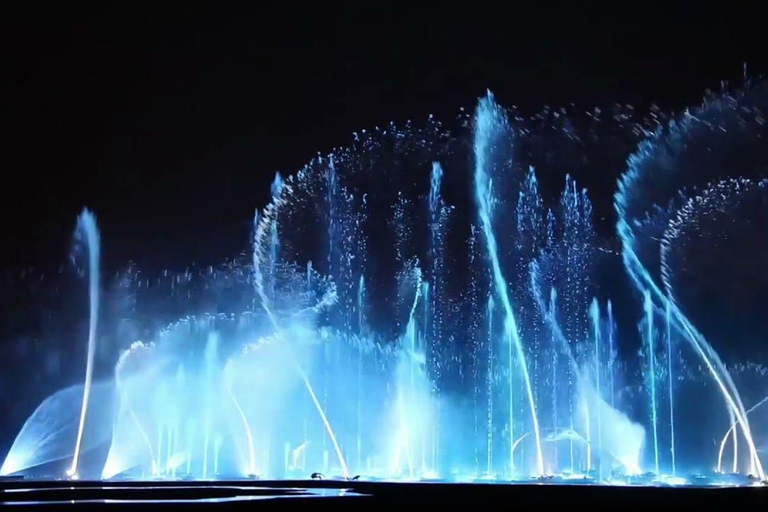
<point x="490" y="308"/>
<point x="588" y="435"/>
<point x="433" y="302"/>
<point x="576" y="243"/>
<point x="649" y="340"/>
<point x="594" y="312"/>
<point x="332" y="268"/>
<point x="361" y="332"/>
<point x="411" y="337"/>
<point x="561" y="344"/>
<point x="331" y="198"/>
<point x="425" y="311"/>
<point x="87" y="232"/>
<point x="488" y="121"/>
<point x="554" y="364"/>
<point x="436" y="263"/>
<point x="411" y="333"/>
<point x="668" y="318"/>
<point x="436" y="179"/>
<point x="361" y="298"/>
<point x="274" y="244"/>
<point x="611" y="354"/>
<point x="210" y="357"/>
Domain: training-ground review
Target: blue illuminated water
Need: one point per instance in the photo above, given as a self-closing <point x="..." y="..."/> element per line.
<point x="88" y="233"/>
<point x="435" y="303"/>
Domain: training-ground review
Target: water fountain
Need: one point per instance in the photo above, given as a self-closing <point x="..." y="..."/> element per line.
<point x="88" y="233"/>
<point x="416" y="307"/>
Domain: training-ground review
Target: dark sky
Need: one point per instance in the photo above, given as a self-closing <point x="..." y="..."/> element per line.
<point x="171" y="123"/>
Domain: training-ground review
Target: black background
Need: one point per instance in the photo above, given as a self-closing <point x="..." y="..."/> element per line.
<point x="171" y="122"/>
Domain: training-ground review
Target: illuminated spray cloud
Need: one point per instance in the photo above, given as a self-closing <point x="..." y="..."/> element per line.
<point x="415" y="307"/>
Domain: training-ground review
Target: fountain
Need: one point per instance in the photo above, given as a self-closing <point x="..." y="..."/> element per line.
<point x="490" y="121"/>
<point x="88" y="233"/>
<point x="429" y="303"/>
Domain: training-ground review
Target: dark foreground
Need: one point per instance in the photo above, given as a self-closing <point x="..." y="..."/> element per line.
<point x="355" y="495"/>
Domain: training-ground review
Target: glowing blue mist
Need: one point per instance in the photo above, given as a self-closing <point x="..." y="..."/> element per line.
<point x="489" y="120"/>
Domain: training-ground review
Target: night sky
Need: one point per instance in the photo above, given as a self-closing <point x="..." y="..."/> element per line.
<point x="170" y="124"/>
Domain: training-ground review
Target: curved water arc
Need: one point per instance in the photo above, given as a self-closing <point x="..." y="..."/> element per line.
<point x="643" y="280"/>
